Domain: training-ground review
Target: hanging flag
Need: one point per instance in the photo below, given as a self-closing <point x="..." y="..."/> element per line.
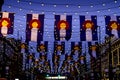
<point x="34" y="27"/>
<point x="6" y="23"/>
<point x="63" y="27"/>
<point x="42" y="47"/>
<point x="68" y="57"/>
<point x="93" y="49"/>
<point x="55" y="58"/>
<point x="76" y="48"/>
<point x="88" y="28"/>
<point x="112" y="24"/>
<point x="24" y="48"/>
<point x="82" y="59"/>
<point x="59" y="48"/>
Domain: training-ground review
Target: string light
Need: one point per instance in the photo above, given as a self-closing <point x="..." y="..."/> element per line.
<point x="87" y="12"/>
<point x="30" y="3"/>
<point x="70" y="11"/>
<point x="43" y="12"/>
<point x="54" y="5"/>
<point x="76" y="13"/>
<point x="108" y="9"/>
<point x="20" y="9"/>
<point x="103" y="4"/>
<point x="53" y="13"/>
<point x="42" y="4"/>
<point x="119" y="7"/>
<point x="18" y="1"/>
<point x="78" y="6"/>
<point x="98" y="11"/>
<point x="67" y="6"/>
<point x="115" y="1"/>
<point x="91" y="6"/>
<point x="9" y="6"/>
<point x="31" y="11"/>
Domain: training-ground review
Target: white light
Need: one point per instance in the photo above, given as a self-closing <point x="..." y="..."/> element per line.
<point x="87" y="12"/>
<point x="9" y="6"/>
<point x="78" y="6"/>
<point x="98" y="11"/>
<point x="76" y="13"/>
<point x="54" y="5"/>
<point x="91" y="6"/>
<point x="57" y="77"/>
<point x="115" y="14"/>
<point x="53" y="12"/>
<point x="119" y="7"/>
<point x="43" y="12"/>
<point x="103" y="4"/>
<point x="67" y="6"/>
<point x="115" y="1"/>
<point x="31" y="11"/>
<point x="16" y="79"/>
<point x="18" y="1"/>
<point x="42" y="4"/>
<point x="20" y="9"/>
<point x="108" y="9"/>
<point x="65" y="13"/>
<point x="30" y="3"/>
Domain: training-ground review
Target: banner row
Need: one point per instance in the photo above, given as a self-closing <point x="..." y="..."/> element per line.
<point x="62" y="26"/>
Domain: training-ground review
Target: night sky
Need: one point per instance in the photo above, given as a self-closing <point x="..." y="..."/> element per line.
<point x="52" y="7"/>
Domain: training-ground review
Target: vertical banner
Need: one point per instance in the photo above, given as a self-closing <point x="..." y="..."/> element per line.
<point x="42" y="47"/>
<point x="6" y="23"/>
<point x="76" y="48"/>
<point x="24" y="48"/>
<point x="88" y="28"/>
<point x="82" y="59"/>
<point x="112" y="24"/>
<point x="59" y="48"/>
<point x="63" y="27"/>
<point x="93" y="49"/>
<point x="34" y="27"/>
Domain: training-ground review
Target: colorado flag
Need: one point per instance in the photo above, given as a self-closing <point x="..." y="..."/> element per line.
<point x="112" y="24"/>
<point x="6" y="23"/>
<point x="34" y="27"/>
<point x="63" y="27"/>
<point x="88" y="28"/>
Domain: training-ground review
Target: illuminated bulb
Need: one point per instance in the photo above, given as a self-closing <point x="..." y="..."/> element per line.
<point x="103" y="4"/>
<point x="30" y="3"/>
<point x="98" y="11"/>
<point x="42" y="4"/>
<point x="65" y="13"/>
<point x="31" y="11"/>
<point x="115" y="14"/>
<point x="18" y="1"/>
<point x="76" y="13"/>
<point x="91" y="6"/>
<point x="54" y="5"/>
<point x="20" y="9"/>
<point x="9" y="6"/>
<point x="79" y="6"/>
<point x="86" y="12"/>
<point x="53" y="12"/>
<point x="67" y="6"/>
<point x="23" y="16"/>
<point x="43" y="12"/>
<point x="115" y="1"/>
<point x="119" y="7"/>
<point x="108" y="9"/>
